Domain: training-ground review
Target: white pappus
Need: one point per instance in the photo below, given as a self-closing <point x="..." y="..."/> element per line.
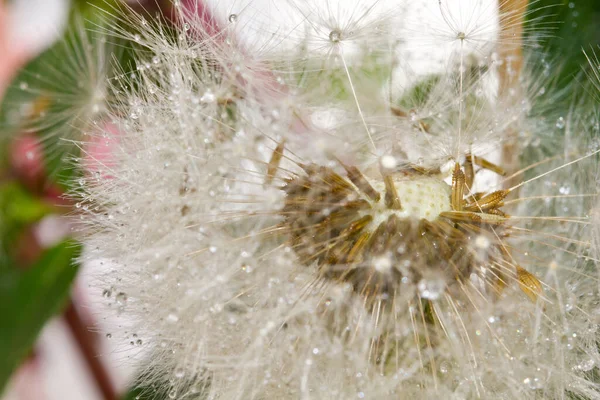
<point x="322" y="208"/>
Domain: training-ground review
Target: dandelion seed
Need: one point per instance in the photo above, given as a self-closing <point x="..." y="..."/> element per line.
<point x="69" y="102"/>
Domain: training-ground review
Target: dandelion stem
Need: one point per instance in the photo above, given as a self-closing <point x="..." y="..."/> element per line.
<point x="512" y="16"/>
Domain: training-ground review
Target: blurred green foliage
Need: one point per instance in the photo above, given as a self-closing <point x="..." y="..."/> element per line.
<point x="572" y="26"/>
<point x="18" y="209"/>
<point x="33" y="292"/>
<point x="29" y="298"/>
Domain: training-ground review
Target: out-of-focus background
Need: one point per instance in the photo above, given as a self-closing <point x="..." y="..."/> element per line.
<point x="56" y="58"/>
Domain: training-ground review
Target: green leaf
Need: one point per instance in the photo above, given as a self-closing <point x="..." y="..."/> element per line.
<point x="570" y="27"/>
<point x="18" y="208"/>
<point x="28" y="299"/>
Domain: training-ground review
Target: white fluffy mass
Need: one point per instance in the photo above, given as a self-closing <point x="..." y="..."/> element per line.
<point x="203" y="281"/>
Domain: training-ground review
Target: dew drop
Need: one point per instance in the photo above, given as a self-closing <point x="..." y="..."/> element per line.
<point x="247" y="268"/>
<point x="382" y="264"/>
<point x="388" y="162"/>
<point x="444" y="367"/>
<point x="179" y="373"/>
<point x="413" y="116"/>
<point x="587" y="365"/>
<point x="431" y="289"/>
<point x="232" y="18"/>
<point x="121" y="298"/>
<point x="533" y="383"/>
<point x="335" y="36"/>
<point x="216" y="308"/>
<point x="208" y="97"/>
<point x="569" y="306"/>
<point x="482" y="242"/>
<point x="560" y="123"/>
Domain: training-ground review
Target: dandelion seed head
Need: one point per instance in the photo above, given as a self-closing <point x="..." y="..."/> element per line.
<point x="276" y="237"/>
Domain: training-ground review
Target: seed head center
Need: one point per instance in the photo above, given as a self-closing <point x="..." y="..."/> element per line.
<point x="422" y="197"/>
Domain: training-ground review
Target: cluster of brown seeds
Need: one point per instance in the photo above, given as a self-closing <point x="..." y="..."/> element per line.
<point x="377" y="234"/>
